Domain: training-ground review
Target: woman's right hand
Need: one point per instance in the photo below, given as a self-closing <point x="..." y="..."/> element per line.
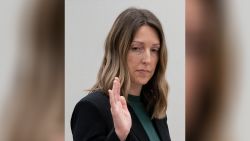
<point x="119" y="110"/>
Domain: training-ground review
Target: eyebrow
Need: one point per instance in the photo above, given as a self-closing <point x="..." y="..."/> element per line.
<point x="156" y="45"/>
<point x="139" y="42"/>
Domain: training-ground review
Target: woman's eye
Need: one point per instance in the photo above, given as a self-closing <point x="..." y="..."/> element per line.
<point x="155" y="50"/>
<point x="136" y="48"/>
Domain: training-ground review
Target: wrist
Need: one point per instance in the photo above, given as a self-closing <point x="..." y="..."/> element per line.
<point x="122" y="135"/>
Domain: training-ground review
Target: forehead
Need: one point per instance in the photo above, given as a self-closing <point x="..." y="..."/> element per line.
<point x="146" y="34"/>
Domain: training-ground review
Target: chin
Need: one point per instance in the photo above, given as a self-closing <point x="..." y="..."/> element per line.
<point x="143" y="81"/>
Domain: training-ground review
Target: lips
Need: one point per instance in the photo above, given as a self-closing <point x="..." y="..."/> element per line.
<point x="143" y="70"/>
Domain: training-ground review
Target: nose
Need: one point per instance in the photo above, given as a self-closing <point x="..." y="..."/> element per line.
<point x="146" y="57"/>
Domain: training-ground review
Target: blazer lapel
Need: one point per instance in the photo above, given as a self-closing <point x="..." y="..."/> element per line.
<point x="162" y="129"/>
<point x="137" y="128"/>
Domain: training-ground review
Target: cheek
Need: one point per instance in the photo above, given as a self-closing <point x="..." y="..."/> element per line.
<point x="155" y="60"/>
<point x="131" y="62"/>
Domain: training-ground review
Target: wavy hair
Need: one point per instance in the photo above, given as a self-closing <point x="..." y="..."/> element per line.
<point x="114" y="64"/>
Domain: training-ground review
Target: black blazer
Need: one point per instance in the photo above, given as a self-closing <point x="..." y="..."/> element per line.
<point x="92" y="121"/>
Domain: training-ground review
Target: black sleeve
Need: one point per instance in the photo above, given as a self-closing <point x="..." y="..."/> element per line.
<point x="87" y="124"/>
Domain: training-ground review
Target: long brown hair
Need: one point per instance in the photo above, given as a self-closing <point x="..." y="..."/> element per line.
<point x="117" y="45"/>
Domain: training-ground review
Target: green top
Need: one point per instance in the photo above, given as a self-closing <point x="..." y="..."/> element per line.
<point x="137" y="105"/>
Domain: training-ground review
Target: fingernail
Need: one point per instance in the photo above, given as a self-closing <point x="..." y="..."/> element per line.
<point x="116" y="78"/>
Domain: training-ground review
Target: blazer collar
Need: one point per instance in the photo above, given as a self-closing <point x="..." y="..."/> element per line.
<point x="137" y="128"/>
<point x="159" y="124"/>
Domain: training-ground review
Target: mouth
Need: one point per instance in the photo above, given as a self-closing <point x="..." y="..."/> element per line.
<point x="143" y="70"/>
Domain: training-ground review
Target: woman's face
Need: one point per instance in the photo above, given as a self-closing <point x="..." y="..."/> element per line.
<point x="143" y="55"/>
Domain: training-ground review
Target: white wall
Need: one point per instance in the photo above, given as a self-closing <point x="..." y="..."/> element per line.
<point x="238" y="114"/>
<point x="87" y="24"/>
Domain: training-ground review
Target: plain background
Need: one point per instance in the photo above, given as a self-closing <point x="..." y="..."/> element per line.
<point x="87" y="25"/>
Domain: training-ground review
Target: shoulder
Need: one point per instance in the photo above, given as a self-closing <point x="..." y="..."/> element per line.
<point x="96" y="99"/>
<point x="91" y="115"/>
<point x="95" y="96"/>
<point x="91" y="106"/>
<point x="96" y="102"/>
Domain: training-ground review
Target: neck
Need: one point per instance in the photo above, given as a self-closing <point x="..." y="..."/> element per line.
<point x="135" y="90"/>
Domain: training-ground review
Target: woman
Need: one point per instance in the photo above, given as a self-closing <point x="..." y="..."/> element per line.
<point x="129" y="99"/>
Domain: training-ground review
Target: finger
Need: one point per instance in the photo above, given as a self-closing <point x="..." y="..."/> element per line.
<point x="117" y="89"/>
<point x="113" y="87"/>
<point x="123" y="102"/>
<point x="118" y="86"/>
<point x="111" y="98"/>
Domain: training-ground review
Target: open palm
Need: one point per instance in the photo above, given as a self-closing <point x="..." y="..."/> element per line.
<point x="119" y="110"/>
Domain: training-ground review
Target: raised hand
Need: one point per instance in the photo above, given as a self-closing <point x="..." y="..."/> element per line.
<point x="119" y="110"/>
